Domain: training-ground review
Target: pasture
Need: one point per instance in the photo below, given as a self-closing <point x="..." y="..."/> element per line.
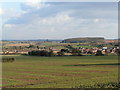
<point x="59" y="72"/>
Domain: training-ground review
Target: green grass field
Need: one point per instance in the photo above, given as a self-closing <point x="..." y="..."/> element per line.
<point x="59" y="72"/>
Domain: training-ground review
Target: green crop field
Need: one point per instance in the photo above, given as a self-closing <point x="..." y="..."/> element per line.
<point x="60" y="72"/>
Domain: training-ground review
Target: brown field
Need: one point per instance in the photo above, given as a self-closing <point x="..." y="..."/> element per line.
<point x="18" y="44"/>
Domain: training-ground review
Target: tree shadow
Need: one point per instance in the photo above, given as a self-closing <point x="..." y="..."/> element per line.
<point x="94" y="64"/>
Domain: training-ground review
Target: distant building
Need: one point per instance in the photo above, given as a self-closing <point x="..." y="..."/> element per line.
<point x="104" y="48"/>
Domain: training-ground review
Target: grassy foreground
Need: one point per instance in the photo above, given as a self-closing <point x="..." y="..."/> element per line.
<point x="60" y="72"/>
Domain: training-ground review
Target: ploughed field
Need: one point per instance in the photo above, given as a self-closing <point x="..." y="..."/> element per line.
<point x="60" y="72"/>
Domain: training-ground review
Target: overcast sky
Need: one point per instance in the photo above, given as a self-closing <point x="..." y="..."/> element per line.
<point x="59" y="20"/>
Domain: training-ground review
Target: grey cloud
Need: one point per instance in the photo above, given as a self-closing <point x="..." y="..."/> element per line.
<point x="80" y="10"/>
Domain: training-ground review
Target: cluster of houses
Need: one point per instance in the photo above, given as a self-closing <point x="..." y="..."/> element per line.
<point x="12" y="53"/>
<point x="104" y="50"/>
<point x="83" y="51"/>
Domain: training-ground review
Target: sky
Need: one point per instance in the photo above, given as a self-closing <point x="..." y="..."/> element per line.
<point x="58" y="20"/>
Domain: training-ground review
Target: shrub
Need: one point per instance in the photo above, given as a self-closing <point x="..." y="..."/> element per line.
<point x="99" y="53"/>
<point x="41" y="53"/>
<point x="8" y="59"/>
<point x="60" y="53"/>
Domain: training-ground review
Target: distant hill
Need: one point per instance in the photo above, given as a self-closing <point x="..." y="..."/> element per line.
<point x="37" y="40"/>
<point x="84" y="40"/>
